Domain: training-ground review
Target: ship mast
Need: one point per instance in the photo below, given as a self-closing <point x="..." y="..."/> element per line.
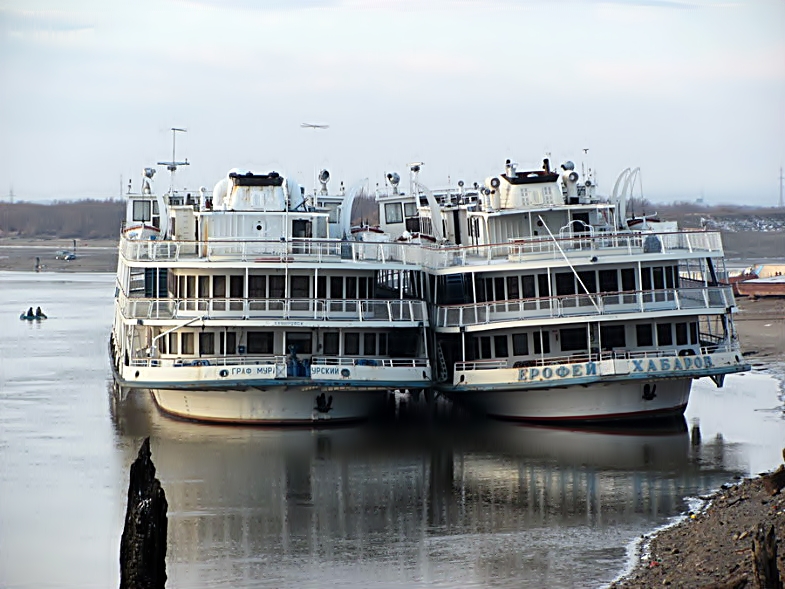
<point x="172" y="165"/>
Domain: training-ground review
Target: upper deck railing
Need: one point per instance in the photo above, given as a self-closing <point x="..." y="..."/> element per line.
<point x="577" y="246"/>
<point x="428" y="256"/>
<point x="412" y="311"/>
<point x="717" y="298"/>
<point x="260" y="251"/>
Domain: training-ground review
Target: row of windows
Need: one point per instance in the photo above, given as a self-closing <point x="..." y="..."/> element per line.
<point x="395" y="213"/>
<point x="262" y="342"/>
<point x="272" y="286"/>
<point x="529" y="286"/>
<point x="577" y="339"/>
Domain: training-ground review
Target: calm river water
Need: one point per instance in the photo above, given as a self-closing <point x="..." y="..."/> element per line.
<point x="444" y="505"/>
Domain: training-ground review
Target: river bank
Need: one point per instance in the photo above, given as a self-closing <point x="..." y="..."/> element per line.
<point x="707" y="550"/>
<point x="22" y="255"/>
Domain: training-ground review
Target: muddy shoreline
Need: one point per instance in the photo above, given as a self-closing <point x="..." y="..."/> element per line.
<point x="711" y="548"/>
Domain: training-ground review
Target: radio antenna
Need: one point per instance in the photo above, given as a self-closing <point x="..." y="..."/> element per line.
<point x="172" y="165"/>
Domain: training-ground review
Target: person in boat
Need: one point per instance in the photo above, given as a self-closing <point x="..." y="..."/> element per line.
<point x="39" y="313"/>
<point x="30" y="312"/>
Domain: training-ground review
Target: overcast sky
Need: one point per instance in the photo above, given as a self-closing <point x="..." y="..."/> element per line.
<point x="693" y="92"/>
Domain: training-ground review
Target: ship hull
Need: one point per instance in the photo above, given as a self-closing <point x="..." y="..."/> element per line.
<point x="270" y="405"/>
<point x="609" y="401"/>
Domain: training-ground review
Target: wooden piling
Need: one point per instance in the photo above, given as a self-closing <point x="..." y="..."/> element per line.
<point x="143" y="544"/>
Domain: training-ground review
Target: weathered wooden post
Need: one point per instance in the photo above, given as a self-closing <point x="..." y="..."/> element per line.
<point x="764" y="557"/>
<point x="143" y="544"/>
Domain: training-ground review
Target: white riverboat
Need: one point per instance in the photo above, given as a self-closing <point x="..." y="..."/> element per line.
<point x="251" y="305"/>
<point x="547" y="304"/>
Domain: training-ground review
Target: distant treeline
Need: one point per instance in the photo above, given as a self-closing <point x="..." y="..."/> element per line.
<point x="101" y="219"/>
<point x="84" y="219"/>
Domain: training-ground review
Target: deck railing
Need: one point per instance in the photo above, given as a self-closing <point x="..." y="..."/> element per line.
<point x="428" y="256"/>
<point x="278" y="361"/>
<point x="722" y="345"/>
<point x="280" y="309"/>
<point x="716" y="297"/>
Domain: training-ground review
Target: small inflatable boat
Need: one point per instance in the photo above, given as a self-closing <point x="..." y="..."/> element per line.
<point x="28" y="317"/>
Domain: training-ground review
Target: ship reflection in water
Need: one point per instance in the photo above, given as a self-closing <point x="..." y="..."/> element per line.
<point x="473" y="504"/>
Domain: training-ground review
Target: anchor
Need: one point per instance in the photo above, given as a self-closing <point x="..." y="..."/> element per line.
<point x="322" y="405"/>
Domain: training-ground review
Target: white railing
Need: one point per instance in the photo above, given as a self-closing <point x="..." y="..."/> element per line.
<point x="383" y="362"/>
<point x="292" y="251"/>
<point x="601" y="244"/>
<point x="722" y="345"/>
<point x="280" y="361"/>
<point x="209" y="361"/>
<point x="428" y="256"/>
<point x="391" y="310"/>
<point x="716" y="297"/>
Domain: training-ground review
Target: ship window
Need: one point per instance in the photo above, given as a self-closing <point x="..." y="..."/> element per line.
<point x="512" y="288"/>
<point x="336" y="287"/>
<point x="520" y="344"/>
<point x="257" y="287"/>
<point x="301" y="228"/>
<point x="693" y="333"/>
<point x="173" y="343"/>
<point x="628" y="279"/>
<point x="351" y="287"/>
<point x="681" y="334"/>
<point x="299" y="342"/>
<point x="300" y="287"/>
<point x="190" y="287"/>
<point x="236" y="284"/>
<point x="498" y="284"/>
<point x="204" y="287"/>
<point x="351" y="343"/>
<point x="206" y="343"/>
<point x="573" y="338"/>
<point x="331" y="343"/>
<point x="485" y="347"/>
<point x="321" y="287"/>
<point x="332" y="213"/>
<point x="609" y="281"/>
<point x="277" y="287"/>
<point x="528" y="287"/>
<point x="187" y="343"/>
<point x="670" y="274"/>
<point x="589" y="280"/>
<point x="231" y="343"/>
<point x="500" y="346"/>
<point x="659" y="278"/>
<point x="410" y="209"/>
<point x="142" y="210"/>
<point x="260" y="342"/>
<point x="644" y="335"/>
<point x="382" y="344"/>
<point x="542" y="342"/>
<point x="565" y="283"/>
<point x="664" y="335"/>
<point x="219" y="287"/>
<point x="369" y="344"/>
<point x="393" y="212"/>
<point x="645" y="278"/>
<point x="362" y="287"/>
<point x="543" y="285"/>
<point x="612" y="336"/>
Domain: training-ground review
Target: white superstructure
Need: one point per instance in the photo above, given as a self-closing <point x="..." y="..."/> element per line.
<point x="546" y="305"/>
<point x="249" y="304"/>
